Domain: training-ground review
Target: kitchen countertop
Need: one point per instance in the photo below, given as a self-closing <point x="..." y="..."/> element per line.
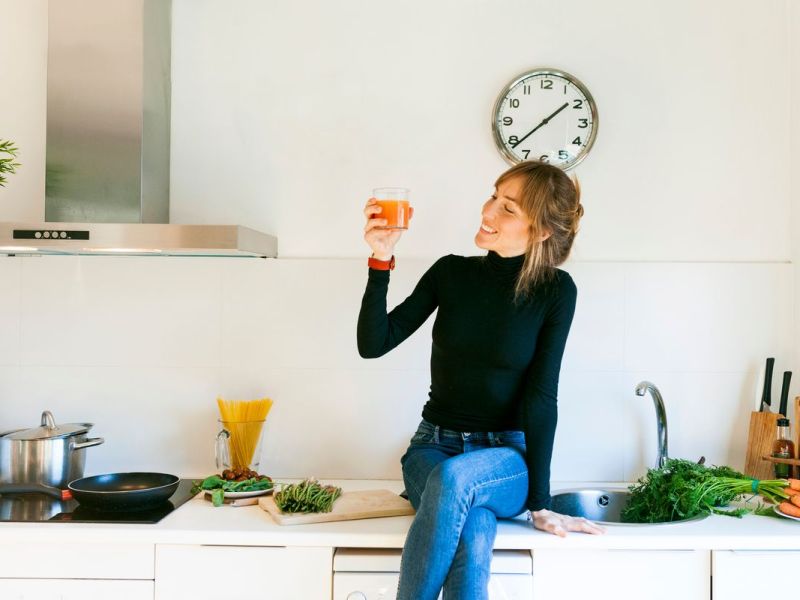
<point x="198" y="522"/>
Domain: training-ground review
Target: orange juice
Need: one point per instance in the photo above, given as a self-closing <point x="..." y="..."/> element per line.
<point x="395" y="212"/>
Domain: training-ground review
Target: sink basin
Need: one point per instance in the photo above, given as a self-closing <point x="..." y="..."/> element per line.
<point x="600" y="505"/>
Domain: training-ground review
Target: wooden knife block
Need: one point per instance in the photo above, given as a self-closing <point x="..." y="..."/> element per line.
<point x="763" y="428"/>
<point x="760" y="438"/>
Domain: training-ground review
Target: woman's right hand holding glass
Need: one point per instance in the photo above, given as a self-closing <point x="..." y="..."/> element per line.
<point x="381" y="241"/>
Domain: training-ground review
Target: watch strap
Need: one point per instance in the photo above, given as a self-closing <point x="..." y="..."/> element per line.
<point x="381" y="265"/>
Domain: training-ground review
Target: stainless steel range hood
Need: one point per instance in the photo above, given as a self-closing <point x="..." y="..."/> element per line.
<point x="108" y="141"/>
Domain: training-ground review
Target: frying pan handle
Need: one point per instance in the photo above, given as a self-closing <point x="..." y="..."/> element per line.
<point x="88" y="443"/>
<point x="34" y="488"/>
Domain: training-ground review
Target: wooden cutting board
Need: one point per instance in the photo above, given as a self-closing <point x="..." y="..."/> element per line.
<point x="365" y="504"/>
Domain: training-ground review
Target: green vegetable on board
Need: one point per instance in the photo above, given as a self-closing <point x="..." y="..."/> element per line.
<point x="308" y="496"/>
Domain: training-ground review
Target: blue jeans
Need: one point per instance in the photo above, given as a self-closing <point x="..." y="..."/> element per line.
<point x="459" y="483"/>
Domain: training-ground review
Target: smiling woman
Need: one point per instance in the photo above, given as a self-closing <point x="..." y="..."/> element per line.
<point x="542" y="211"/>
<point x="505" y="228"/>
<point x="482" y="450"/>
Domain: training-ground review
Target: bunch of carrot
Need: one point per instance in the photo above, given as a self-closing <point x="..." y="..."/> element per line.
<point x="791" y="506"/>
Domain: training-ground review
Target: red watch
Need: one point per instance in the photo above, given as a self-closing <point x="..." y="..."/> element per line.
<point x="381" y="265"/>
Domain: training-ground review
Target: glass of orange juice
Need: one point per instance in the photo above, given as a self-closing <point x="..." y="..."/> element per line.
<point x="394" y="206"/>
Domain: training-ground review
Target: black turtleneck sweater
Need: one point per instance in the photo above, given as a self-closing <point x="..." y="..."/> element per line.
<point x="494" y="363"/>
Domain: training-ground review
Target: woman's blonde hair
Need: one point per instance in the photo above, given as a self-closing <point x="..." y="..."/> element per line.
<point x="551" y="200"/>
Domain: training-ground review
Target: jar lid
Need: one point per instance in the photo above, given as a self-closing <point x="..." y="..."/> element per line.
<point x="783" y="422"/>
<point x="49" y="430"/>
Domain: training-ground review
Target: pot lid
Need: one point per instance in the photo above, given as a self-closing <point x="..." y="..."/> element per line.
<point x="49" y="429"/>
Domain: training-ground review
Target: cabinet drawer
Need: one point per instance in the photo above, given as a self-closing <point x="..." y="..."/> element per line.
<point x="252" y="572"/>
<point x="373" y="574"/>
<point x="735" y="570"/>
<point x="71" y="589"/>
<point x="622" y="574"/>
<point x="387" y="560"/>
<point x="383" y="586"/>
<point x="77" y="560"/>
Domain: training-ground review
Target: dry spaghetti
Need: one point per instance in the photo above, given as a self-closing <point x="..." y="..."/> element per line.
<point x="244" y="420"/>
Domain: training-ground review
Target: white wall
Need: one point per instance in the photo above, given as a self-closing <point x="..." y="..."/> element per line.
<point x="285" y="116"/>
<point x="289" y="113"/>
<point x="23" y="105"/>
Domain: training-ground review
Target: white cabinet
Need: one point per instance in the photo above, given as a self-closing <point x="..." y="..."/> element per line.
<point x="74" y="589"/>
<point x="76" y="571"/>
<point x="736" y="572"/>
<point x="622" y="574"/>
<point x="76" y="560"/>
<point x="372" y="574"/>
<point x="252" y="572"/>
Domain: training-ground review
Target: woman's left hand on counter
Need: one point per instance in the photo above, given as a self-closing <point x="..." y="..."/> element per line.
<point x="559" y="524"/>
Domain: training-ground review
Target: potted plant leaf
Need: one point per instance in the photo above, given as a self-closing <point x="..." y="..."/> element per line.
<point x="8" y="152"/>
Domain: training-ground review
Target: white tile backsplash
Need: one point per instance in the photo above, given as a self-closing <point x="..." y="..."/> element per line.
<point x="143" y="346"/>
<point x="589" y="437"/>
<point x="10" y="292"/>
<point x="121" y="311"/>
<point x="335" y="422"/>
<point x="706" y="317"/>
<point x="707" y="415"/>
<point x="599" y="318"/>
<point x="302" y="313"/>
<point x="9" y="401"/>
<point x="152" y="419"/>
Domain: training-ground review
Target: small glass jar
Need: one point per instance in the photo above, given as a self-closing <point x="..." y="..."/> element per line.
<point x="239" y="444"/>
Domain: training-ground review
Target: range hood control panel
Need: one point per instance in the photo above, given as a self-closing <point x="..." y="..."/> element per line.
<point x="50" y="234"/>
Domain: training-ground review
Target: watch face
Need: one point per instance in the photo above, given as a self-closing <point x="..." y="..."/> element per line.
<point x="545" y="115"/>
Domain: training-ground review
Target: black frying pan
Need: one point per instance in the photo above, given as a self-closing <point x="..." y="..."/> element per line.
<point x="124" y="491"/>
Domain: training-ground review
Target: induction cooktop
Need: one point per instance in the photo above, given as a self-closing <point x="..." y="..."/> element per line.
<point x="41" y="508"/>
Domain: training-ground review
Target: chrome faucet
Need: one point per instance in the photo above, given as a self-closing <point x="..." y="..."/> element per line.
<point x="661" y="420"/>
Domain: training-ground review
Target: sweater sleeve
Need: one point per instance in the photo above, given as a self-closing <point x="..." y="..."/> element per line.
<point x="540" y="410"/>
<point x="379" y="332"/>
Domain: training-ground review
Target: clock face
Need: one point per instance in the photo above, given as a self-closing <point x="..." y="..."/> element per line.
<point x="545" y="115"/>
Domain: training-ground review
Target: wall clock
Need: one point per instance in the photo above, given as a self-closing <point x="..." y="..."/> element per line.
<point x="545" y="114"/>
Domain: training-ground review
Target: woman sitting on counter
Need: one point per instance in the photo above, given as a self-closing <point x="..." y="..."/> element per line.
<point x="483" y="448"/>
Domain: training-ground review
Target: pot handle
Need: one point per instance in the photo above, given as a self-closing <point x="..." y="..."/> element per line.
<point x="48" y="420"/>
<point x="88" y="443"/>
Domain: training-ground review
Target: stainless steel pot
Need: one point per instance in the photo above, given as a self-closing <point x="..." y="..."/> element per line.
<point x="50" y="454"/>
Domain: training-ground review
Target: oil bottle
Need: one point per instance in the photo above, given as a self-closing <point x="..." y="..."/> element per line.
<point x="783" y="448"/>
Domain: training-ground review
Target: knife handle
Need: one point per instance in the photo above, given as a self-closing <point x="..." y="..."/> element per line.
<point x="766" y="398"/>
<point x="787" y="378"/>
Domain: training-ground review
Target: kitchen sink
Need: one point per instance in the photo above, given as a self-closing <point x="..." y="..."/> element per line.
<point x="599" y="505"/>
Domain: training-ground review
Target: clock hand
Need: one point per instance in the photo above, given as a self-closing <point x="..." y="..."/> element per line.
<point x="544" y="122"/>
